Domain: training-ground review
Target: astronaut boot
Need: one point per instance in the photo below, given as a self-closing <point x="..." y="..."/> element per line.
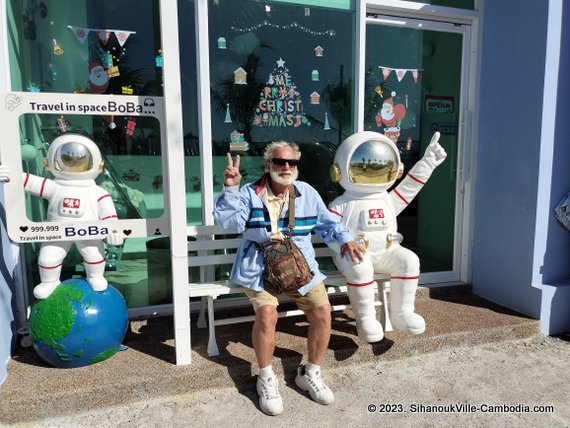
<point x="402" y="297"/>
<point x="94" y="273"/>
<point x="362" y="301"/>
<point x="44" y="289"/>
<point x="49" y="277"/>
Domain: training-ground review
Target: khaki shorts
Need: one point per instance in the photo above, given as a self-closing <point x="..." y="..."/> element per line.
<point x="317" y="296"/>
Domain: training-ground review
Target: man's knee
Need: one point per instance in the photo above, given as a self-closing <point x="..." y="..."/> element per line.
<point x="320" y="315"/>
<point x="266" y="317"/>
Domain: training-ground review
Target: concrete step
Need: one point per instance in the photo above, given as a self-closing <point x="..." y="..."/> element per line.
<point x="146" y="371"/>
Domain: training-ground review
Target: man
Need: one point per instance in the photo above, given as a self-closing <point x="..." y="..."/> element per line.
<point x="260" y="210"/>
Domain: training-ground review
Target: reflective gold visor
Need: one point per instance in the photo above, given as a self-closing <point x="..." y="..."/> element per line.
<point x="73" y="157"/>
<point x="373" y="162"/>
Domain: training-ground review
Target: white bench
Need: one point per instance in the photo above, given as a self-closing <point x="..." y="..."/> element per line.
<point x="212" y="248"/>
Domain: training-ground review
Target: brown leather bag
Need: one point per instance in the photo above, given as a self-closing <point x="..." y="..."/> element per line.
<point x="286" y="268"/>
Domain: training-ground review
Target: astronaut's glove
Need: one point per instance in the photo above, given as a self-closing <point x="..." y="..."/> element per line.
<point x="115" y="239"/>
<point x="435" y="153"/>
<point x="4" y="173"/>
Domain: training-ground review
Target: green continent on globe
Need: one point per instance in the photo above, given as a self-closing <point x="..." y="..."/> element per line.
<point x="55" y="315"/>
<point x="103" y="355"/>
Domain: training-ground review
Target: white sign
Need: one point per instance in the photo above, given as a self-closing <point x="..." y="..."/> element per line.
<point x="13" y="106"/>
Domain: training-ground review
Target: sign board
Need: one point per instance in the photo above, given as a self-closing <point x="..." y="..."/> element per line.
<point x="438" y="104"/>
<point x="22" y="114"/>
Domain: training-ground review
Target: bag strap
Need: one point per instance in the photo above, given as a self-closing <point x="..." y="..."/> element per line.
<point x="291" y="208"/>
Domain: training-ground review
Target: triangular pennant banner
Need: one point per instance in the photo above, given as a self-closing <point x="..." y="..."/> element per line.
<point x="122" y="36"/>
<point x="104" y="36"/>
<point x="385" y="72"/>
<point x="80" y="32"/>
<point x="415" y="75"/>
<point x="400" y="73"/>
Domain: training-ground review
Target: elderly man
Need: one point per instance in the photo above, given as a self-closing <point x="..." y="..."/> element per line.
<point x="260" y="211"/>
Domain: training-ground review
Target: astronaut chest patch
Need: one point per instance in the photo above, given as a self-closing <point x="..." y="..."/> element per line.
<point x="375" y="213"/>
<point x="373" y="219"/>
<point x="71" y="203"/>
<point x="71" y="207"/>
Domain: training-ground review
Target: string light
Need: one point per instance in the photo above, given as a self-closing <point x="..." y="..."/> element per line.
<point x="294" y="25"/>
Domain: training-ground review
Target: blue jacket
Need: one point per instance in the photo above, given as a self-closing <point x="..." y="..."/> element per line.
<point x="243" y="211"/>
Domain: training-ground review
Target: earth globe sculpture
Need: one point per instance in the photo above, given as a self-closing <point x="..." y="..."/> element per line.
<point x="77" y="326"/>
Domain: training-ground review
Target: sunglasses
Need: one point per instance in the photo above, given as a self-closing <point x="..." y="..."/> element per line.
<point x="281" y="162"/>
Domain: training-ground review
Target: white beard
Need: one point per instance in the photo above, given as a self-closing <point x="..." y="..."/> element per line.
<point x="282" y="180"/>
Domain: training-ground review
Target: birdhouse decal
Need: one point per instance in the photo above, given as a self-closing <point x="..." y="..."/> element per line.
<point x="240" y="77"/>
<point x="315" y="75"/>
<point x="222" y="44"/>
<point x="315" y="98"/>
<point x="319" y="51"/>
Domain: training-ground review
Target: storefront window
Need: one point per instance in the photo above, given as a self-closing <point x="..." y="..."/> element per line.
<point x="281" y="71"/>
<point x="189" y="86"/>
<point x="99" y="47"/>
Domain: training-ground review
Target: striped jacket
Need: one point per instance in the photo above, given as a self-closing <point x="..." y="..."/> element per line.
<point x="243" y="211"/>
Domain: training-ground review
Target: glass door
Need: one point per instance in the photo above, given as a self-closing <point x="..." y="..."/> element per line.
<point x="414" y="80"/>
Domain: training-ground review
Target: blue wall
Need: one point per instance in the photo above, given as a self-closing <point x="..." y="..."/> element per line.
<point x="552" y="258"/>
<point x="7" y="326"/>
<point x="510" y="114"/>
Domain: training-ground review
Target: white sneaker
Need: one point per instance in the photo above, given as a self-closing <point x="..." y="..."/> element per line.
<point x="313" y="383"/>
<point x="269" y="399"/>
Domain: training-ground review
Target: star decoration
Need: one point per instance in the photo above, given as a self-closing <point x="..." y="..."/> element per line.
<point x="280" y="63"/>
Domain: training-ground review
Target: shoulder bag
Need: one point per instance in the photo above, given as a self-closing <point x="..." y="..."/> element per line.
<point x="286" y="268"/>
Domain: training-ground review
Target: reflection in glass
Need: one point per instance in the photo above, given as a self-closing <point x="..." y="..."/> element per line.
<point x="373" y="162"/>
<point x="134" y="182"/>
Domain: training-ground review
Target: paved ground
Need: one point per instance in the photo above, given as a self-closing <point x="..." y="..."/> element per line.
<point x="474" y="353"/>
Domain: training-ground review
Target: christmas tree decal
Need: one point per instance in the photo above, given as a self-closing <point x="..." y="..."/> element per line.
<point x="279" y="101"/>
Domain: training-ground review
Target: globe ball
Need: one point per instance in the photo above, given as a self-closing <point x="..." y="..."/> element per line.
<point x="76" y="326"/>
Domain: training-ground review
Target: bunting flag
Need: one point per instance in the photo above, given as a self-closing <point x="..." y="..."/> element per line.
<point x="400" y="72"/>
<point x="81" y="34"/>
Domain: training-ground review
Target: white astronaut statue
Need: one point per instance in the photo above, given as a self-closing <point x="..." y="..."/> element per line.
<point x="367" y="164"/>
<point x="73" y="196"/>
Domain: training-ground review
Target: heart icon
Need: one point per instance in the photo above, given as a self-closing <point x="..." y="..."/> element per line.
<point x="127" y="232"/>
<point x="23" y="228"/>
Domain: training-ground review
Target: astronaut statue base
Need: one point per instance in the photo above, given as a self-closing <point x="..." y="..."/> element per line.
<point x="367" y="164"/>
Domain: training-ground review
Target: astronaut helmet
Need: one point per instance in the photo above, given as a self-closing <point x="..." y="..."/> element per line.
<point x="74" y="157"/>
<point x="367" y="162"/>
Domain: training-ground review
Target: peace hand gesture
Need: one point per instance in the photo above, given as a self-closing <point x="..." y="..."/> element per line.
<point x="232" y="177"/>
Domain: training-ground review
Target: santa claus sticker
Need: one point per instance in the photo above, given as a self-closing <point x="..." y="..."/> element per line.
<point x="391" y="116"/>
<point x="98" y="78"/>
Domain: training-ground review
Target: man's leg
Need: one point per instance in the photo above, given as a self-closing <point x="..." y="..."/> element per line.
<point x="319" y="333"/>
<point x="263" y="334"/>
<point x="263" y="338"/>
<point x="317" y="309"/>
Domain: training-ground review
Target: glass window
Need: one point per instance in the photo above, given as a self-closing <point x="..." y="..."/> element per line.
<point x="281" y="71"/>
<point x="412" y="89"/>
<point x="95" y="46"/>
<point x="189" y="85"/>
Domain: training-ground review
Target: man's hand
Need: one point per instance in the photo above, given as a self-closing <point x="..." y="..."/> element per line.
<point x="232" y="177"/>
<point x="435" y="153"/>
<point x="4" y="173"/>
<point x="115" y="239"/>
<point x="354" y="250"/>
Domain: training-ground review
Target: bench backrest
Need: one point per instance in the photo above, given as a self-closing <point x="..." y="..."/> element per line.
<point x="212" y="246"/>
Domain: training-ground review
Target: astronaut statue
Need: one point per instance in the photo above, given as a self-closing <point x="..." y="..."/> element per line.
<point x="73" y="196"/>
<point x="367" y="164"/>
